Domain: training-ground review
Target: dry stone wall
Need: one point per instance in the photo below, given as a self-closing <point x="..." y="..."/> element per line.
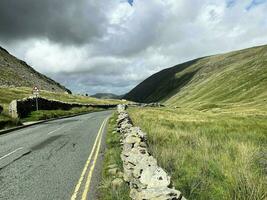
<point x="22" y="108"/>
<point x="146" y="179"/>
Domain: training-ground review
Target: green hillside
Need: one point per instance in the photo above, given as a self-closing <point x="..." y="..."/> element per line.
<point x="238" y="78"/>
<point x="211" y="137"/>
<point x="106" y="96"/>
<point x="17" y="73"/>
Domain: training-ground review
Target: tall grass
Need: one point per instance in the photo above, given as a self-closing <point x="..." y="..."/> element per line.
<point x="111" y="157"/>
<point x="48" y="114"/>
<point x="209" y="155"/>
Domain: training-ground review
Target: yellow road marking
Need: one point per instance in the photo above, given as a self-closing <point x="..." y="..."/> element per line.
<point x="74" y="196"/>
<point x="89" y="178"/>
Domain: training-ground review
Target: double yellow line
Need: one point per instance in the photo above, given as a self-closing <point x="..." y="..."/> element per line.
<point x="94" y="152"/>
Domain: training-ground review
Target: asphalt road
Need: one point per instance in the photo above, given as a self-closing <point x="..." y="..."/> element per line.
<point x="54" y="160"/>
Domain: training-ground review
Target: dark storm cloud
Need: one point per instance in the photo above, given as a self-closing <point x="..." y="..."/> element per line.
<point x="91" y="83"/>
<point x="63" y="21"/>
<point x="110" y="46"/>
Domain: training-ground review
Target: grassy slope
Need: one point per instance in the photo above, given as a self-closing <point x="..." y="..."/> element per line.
<point x="209" y="155"/>
<point x="234" y="78"/>
<point x="17" y="73"/>
<point x="214" y="143"/>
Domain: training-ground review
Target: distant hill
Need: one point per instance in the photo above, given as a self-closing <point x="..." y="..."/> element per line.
<point x="239" y="76"/>
<point x="16" y="73"/>
<point x="106" y="96"/>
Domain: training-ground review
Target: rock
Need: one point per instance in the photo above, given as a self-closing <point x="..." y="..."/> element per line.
<point x="143" y="144"/>
<point x="113" y="171"/>
<point x="116" y="183"/>
<point x="146" y="179"/>
<point x="120" y="174"/>
<point x="156" y="194"/>
<point x="132" y="139"/>
<point x="154" y="177"/>
<point x="112" y="166"/>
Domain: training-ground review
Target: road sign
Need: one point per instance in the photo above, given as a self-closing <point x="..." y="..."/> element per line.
<point x="35" y="91"/>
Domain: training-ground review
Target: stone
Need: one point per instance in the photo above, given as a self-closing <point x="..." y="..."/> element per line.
<point x="156" y="194"/>
<point x="120" y="174"/>
<point x="112" y="166"/>
<point x="13" y="111"/>
<point x="143" y="144"/>
<point x="146" y="179"/>
<point x="154" y="177"/>
<point x="116" y="183"/>
<point x="113" y="171"/>
<point x="132" y="139"/>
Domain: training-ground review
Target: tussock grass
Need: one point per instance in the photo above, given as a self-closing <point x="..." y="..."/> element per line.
<point x="112" y="156"/>
<point x="7" y="122"/>
<point x="210" y="155"/>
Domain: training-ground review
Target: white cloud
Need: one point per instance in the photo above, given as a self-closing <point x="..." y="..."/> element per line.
<point x="137" y="41"/>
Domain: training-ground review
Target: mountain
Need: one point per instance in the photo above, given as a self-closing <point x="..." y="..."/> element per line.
<point x="106" y="96"/>
<point x="239" y="76"/>
<point x="17" y="73"/>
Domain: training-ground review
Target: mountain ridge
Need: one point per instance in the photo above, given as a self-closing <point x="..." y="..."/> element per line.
<point x="17" y="73"/>
<point x="221" y="78"/>
<point x="106" y="96"/>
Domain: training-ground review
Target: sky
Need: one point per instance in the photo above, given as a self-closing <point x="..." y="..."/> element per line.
<point x="93" y="46"/>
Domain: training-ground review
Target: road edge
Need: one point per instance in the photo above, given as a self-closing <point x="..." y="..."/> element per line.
<point x="5" y="131"/>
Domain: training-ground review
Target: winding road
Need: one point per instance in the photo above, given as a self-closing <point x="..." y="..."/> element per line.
<point x="55" y="160"/>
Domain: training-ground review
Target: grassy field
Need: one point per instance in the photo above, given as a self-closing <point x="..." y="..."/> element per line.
<point x="212" y="153"/>
<point x="212" y="137"/>
<point x="112" y="156"/>
<point x="9" y="94"/>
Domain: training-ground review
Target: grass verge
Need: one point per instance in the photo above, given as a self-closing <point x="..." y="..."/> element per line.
<point x="112" y="157"/>
<point x="8" y="122"/>
<point x="49" y="114"/>
<point x="209" y="155"/>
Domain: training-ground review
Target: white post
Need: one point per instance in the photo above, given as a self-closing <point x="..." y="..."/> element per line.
<point x="36" y="99"/>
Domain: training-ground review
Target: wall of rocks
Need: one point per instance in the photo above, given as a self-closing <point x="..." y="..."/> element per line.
<point x="22" y="108"/>
<point x="146" y="179"/>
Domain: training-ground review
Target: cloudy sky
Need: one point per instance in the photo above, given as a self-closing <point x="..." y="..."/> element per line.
<point x="112" y="45"/>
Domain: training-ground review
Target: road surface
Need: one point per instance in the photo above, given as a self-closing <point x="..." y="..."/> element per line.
<point x="54" y="160"/>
